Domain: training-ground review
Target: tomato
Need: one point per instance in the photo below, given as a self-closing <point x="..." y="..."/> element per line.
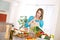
<point x="42" y="33"/>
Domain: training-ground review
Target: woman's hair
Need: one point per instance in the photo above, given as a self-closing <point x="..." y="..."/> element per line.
<point x="40" y="9"/>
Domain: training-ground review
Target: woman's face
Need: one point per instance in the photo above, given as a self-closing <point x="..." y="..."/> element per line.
<point x="38" y="14"/>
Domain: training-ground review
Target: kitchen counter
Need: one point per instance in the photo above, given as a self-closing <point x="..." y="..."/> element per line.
<point x="17" y="38"/>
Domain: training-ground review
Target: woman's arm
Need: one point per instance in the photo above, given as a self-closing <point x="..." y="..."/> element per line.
<point x="27" y="24"/>
<point x="41" y="23"/>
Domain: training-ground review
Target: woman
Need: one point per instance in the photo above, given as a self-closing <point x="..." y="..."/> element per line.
<point x="36" y="23"/>
<point x="36" y="20"/>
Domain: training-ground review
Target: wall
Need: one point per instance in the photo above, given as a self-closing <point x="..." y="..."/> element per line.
<point x="57" y="31"/>
<point x="4" y="5"/>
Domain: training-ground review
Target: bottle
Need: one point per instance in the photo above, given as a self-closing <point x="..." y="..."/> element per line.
<point x="52" y="37"/>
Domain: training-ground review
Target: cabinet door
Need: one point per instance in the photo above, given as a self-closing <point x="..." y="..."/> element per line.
<point x="3" y="17"/>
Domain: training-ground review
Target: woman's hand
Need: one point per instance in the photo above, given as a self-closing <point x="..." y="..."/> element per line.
<point x="33" y="23"/>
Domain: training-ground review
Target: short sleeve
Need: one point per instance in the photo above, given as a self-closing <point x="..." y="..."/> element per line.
<point x="41" y="23"/>
<point x="30" y="18"/>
